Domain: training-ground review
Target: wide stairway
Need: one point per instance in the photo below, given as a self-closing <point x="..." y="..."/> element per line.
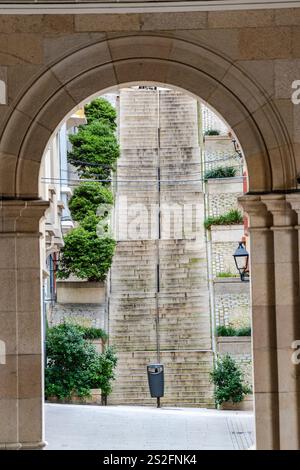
<point x="159" y="290"/>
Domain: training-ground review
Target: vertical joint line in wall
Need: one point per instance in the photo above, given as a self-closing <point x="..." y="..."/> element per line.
<point x="159" y="231"/>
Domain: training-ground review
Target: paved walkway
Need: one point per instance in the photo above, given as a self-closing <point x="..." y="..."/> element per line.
<point x="134" y="428"/>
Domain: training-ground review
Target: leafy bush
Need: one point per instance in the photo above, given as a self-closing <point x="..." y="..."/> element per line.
<point x="86" y="199"/>
<point x="95" y="150"/>
<point x="105" y="371"/>
<point x="73" y="365"/>
<point x="228" y="380"/>
<point x="101" y="110"/>
<point x="90" y="333"/>
<point x="85" y="255"/>
<point x="220" y="172"/>
<point x="232" y="217"/>
<point x="212" y="132"/>
<point x="223" y="330"/>
<point x="244" y="331"/>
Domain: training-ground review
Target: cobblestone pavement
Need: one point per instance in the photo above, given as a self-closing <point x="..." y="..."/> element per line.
<point x="123" y="427"/>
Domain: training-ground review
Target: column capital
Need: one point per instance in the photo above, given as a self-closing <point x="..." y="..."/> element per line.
<point x="280" y="208"/>
<point x="21" y="216"/>
<point x="294" y="200"/>
<point x="256" y="210"/>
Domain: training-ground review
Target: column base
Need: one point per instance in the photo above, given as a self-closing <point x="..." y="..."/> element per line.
<point x="10" y="446"/>
<point x="33" y="445"/>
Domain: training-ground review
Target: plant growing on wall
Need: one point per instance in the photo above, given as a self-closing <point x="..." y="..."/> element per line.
<point x="232" y="217"/>
<point x="88" y="249"/>
<point x="220" y="172"/>
<point x="85" y="255"/>
<point x="229" y="381"/>
<point x="95" y="150"/>
<point x="223" y="330"/>
<point x="74" y="366"/>
<point x="86" y="199"/>
<point x="212" y="132"/>
<point x="101" y="110"/>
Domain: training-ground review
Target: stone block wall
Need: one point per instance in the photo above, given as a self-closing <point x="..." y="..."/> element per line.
<point x="231" y="303"/>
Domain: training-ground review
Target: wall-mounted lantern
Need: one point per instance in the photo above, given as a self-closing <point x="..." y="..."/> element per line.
<point x="241" y="258"/>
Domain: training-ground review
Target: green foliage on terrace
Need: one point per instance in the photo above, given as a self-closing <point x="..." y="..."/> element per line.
<point x="95" y="150"/>
<point x="74" y="367"/>
<point x="223" y="330"/>
<point x="212" y="132"/>
<point x="220" y="172"/>
<point x="225" y="274"/>
<point x="228" y="380"/>
<point x="85" y="255"/>
<point x="101" y="110"/>
<point x="232" y="217"/>
<point x="89" y="332"/>
<point x="86" y="199"/>
<point x="88" y="251"/>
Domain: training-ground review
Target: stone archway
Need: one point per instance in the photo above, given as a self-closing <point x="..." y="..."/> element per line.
<point x="120" y="60"/>
<point x="258" y="125"/>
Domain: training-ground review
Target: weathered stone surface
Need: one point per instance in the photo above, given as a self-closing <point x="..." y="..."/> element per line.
<point x="173" y="21"/>
<point x="240" y="19"/>
<point x="182" y="301"/>
<point x="130" y="22"/>
<point x="20" y="48"/>
<point x="265" y="43"/>
<point x="286" y="17"/>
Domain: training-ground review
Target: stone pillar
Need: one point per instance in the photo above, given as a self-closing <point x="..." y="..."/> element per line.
<point x="264" y="342"/>
<point x="21" y="376"/>
<point x="286" y="258"/>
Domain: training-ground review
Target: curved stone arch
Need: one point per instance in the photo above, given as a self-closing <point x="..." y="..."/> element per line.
<point x="139" y="58"/>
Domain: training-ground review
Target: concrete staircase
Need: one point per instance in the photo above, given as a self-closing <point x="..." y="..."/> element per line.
<point x="182" y="300"/>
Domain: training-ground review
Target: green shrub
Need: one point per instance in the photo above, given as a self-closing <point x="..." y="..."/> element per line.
<point x="232" y="217"/>
<point x="223" y="330"/>
<point x="101" y="110"/>
<point x="244" y="331"/>
<point x="89" y="332"/>
<point x="86" y="199"/>
<point x="228" y="380"/>
<point x="73" y="365"/>
<point x="95" y="150"/>
<point x="226" y="274"/>
<point x="85" y="255"/>
<point x="212" y="132"/>
<point x="220" y="172"/>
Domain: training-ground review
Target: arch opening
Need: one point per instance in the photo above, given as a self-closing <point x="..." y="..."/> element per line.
<point x="121" y="60"/>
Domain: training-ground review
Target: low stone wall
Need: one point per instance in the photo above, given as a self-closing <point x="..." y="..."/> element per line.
<point x="234" y="345"/>
<point x="239" y="348"/>
<point x="224" y="242"/>
<point x="232" y="302"/>
<point x="82" y="302"/>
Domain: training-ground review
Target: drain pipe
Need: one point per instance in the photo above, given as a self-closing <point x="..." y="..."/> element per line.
<point x="159" y="233"/>
<point x="207" y="236"/>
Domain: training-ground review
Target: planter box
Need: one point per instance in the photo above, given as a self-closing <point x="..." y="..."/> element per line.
<point x="81" y="292"/>
<point x="225" y="185"/>
<point x="245" y="405"/>
<point x="227" y="233"/>
<point x="99" y="345"/>
<point x="94" y="399"/>
<point x="234" y="345"/>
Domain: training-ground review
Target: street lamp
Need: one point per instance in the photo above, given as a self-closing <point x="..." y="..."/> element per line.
<point x="241" y="258"/>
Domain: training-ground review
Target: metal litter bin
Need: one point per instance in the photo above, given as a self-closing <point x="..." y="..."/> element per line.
<point x="156" y="381"/>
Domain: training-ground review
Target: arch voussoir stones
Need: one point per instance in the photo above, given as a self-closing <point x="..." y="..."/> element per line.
<point x="155" y="58"/>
